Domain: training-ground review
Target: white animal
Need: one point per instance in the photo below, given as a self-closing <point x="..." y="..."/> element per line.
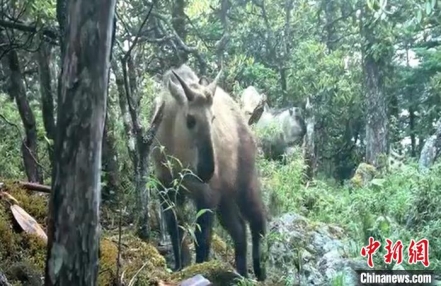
<point x="278" y="130"/>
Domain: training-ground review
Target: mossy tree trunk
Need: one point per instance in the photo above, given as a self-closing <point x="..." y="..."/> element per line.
<point x="17" y="90"/>
<point x="110" y="158"/>
<point x="47" y="100"/>
<point x="73" y="227"/>
<point x="377" y="122"/>
<point x="431" y="149"/>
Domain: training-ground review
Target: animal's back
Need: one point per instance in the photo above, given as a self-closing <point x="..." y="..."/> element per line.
<point x="250" y="99"/>
<point x="234" y="145"/>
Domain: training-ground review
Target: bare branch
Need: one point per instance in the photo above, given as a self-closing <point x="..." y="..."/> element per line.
<point x="11" y="124"/>
<point x="29" y="29"/>
<point x="135" y="41"/>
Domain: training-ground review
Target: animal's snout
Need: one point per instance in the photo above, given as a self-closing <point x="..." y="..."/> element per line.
<point x="206" y="174"/>
<point x="205" y="168"/>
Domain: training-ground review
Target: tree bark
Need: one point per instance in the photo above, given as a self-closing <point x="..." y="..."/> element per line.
<point x="309" y="141"/>
<point x="431" y="149"/>
<point x="47" y="100"/>
<point x="140" y="158"/>
<point x="376" y="102"/>
<point x="178" y="23"/>
<point x="138" y="150"/>
<point x="73" y="227"/>
<point x="110" y="158"/>
<point x="376" y="112"/>
<point x="29" y="144"/>
<point x="412" y="131"/>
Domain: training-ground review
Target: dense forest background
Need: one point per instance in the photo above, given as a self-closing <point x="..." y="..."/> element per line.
<point x="367" y="74"/>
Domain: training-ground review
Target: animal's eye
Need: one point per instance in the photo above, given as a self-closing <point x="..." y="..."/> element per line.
<point x="191" y="121"/>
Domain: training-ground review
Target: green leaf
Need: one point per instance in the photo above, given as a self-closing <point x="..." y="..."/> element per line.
<point x="383" y="4"/>
<point x="201" y="212"/>
<point x="419" y="16"/>
<point x="383" y="224"/>
<point x="433" y="4"/>
<point x="49" y="141"/>
<point x="370" y="4"/>
<point x="378" y="182"/>
<point x="428" y="8"/>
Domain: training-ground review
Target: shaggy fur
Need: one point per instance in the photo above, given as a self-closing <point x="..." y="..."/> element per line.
<point x="288" y="121"/>
<point x="203" y="127"/>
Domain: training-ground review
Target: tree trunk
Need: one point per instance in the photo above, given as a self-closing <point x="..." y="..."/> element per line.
<point x="376" y="102"/>
<point x="47" y="100"/>
<point x="376" y="112"/>
<point x="73" y="227"/>
<point x="29" y="144"/>
<point x="110" y="159"/>
<point x="430" y="149"/>
<point x="309" y="141"/>
<point x="329" y="38"/>
<point x="412" y="131"/>
<point x="178" y="23"/>
<point x="138" y="149"/>
<point x="122" y="100"/>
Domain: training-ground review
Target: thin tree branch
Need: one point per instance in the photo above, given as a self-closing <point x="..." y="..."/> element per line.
<point x="29" y="29"/>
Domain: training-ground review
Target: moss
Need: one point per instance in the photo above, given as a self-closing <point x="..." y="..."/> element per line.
<point x="21" y="252"/>
<point x="221" y="250"/>
<point x="34" y="203"/>
<point x="364" y="173"/>
<point x="108" y="257"/>
<point x="35" y="250"/>
<point x="23" y="273"/>
<point x="136" y="255"/>
<point x="139" y="250"/>
<point x="7" y="237"/>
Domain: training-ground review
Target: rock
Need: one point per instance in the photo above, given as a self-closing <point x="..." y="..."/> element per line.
<point x="3" y="280"/>
<point x="320" y="247"/>
<point x="197" y="280"/>
<point x="363" y="175"/>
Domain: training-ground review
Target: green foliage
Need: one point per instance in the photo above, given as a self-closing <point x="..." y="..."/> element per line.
<point x="403" y="205"/>
<point x="312" y="50"/>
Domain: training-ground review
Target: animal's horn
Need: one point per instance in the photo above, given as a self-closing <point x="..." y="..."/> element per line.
<point x="187" y="90"/>
<point x="212" y="86"/>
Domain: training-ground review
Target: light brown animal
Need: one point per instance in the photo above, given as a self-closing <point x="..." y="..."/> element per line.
<point x="203" y="127"/>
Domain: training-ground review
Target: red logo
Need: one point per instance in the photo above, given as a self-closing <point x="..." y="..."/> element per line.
<point x="370" y="250"/>
<point x="419" y="252"/>
<point x="394" y="252"/>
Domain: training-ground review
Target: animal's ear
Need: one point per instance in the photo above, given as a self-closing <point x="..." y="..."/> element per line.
<point x="291" y="111"/>
<point x="187" y="90"/>
<point x="213" y="85"/>
<point x="204" y="81"/>
<point x="176" y="91"/>
<point x="158" y="113"/>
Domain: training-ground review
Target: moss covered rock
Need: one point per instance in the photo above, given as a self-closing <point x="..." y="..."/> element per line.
<point x="140" y="261"/>
<point x="364" y="173"/>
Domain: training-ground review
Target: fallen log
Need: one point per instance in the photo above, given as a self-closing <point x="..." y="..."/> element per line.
<point x="34" y="187"/>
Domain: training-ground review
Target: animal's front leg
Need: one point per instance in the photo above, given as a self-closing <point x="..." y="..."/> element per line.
<point x="203" y="234"/>
<point x="206" y="200"/>
<point x="171" y="204"/>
